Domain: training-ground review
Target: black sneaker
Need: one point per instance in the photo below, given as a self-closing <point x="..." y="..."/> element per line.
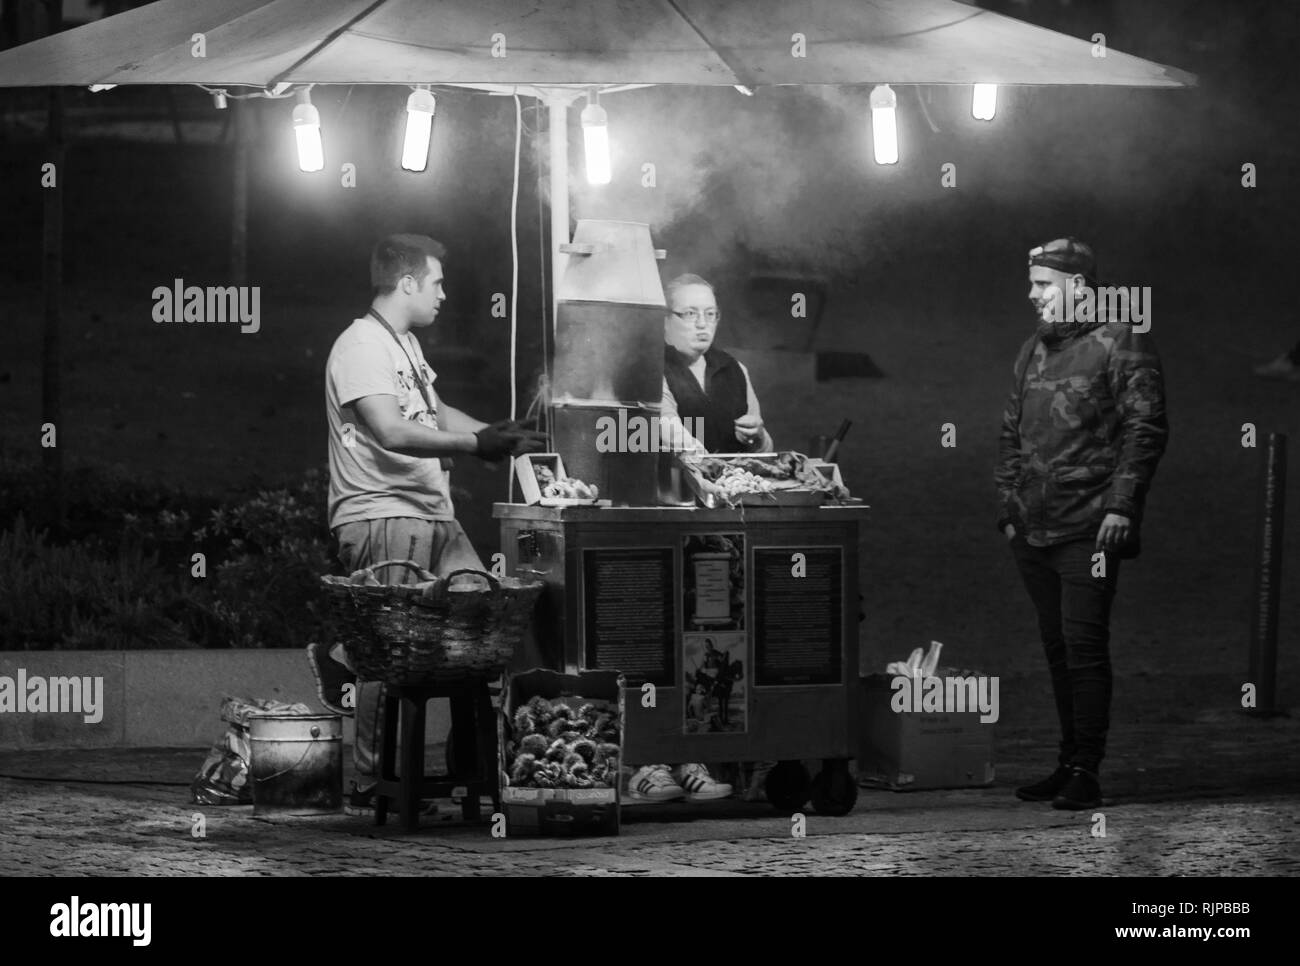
<point x="331" y="677"/>
<point x="1048" y="788"/>
<point x="360" y="801"/>
<point x="1082" y="791"/>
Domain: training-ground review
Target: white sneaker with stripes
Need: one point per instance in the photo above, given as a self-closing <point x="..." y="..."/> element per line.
<point x="699" y="784"/>
<point x="654" y="783"/>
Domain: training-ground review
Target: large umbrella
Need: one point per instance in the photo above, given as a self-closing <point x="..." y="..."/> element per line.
<point x="544" y="46"/>
<point x="558" y="50"/>
<point x="589" y="42"/>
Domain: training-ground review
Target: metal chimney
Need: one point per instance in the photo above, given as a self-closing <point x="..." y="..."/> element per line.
<point x="609" y="360"/>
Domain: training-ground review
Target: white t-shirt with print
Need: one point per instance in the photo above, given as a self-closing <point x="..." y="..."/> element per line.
<point x="368" y="482"/>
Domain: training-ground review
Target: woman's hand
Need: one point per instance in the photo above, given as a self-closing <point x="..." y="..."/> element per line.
<point x="749" y="430"/>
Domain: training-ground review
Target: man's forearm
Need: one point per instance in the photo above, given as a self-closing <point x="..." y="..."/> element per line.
<point x="415" y="439"/>
<point x="456" y="421"/>
<point x="1006" y="473"/>
<point x="1144" y="431"/>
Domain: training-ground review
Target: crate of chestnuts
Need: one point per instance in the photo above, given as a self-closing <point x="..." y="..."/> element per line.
<point x="561" y="752"/>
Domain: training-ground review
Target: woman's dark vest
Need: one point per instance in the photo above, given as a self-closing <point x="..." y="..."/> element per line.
<point x="724" y="399"/>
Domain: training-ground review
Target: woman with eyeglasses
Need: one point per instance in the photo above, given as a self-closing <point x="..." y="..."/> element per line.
<point x="713" y="394"/>
<point x="705" y="386"/>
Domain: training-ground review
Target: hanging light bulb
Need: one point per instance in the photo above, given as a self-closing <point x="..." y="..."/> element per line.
<point x="595" y="135"/>
<point x="306" y="128"/>
<point x="419" y="127"/>
<point x="219" y="100"/>
<point x="98" y="88"/>
<point x="884" y="125"/>
<point x="984" y="102"/>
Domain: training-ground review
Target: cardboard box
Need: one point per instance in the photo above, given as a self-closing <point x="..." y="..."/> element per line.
<point x="918" y="749"/>
<point x="526" y="468"/>
<point x="560" y="811"/>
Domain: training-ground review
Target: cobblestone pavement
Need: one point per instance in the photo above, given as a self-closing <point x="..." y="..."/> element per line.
<point x="64" y="829"/>
<point x="1192" y="789"/>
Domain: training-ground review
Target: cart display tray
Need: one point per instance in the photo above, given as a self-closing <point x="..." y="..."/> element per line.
<point x="788" y="479"/>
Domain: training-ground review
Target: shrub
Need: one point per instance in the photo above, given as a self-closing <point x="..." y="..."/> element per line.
<point x="75" y="598"/>
<point x="266" y="591"/>
<point x="100" y="502"/>
<point x="121" y="575"/>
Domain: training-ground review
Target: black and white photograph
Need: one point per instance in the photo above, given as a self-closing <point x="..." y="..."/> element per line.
<point x="551" y="438"/>
<point x="714" y="682"/>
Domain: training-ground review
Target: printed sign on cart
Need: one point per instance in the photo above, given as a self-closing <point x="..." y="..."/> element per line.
<point x="713" y="582"/>
<point x="628" y="604"/>
<point x="714" y="683"/>
<point x="798" y="619"/>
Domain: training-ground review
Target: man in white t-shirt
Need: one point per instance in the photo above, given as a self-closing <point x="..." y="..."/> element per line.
<point x="389" y="433"/>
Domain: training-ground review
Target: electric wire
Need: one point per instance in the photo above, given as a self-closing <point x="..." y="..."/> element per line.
<point x="514" y="282"/>
<point x="545" y="382"/>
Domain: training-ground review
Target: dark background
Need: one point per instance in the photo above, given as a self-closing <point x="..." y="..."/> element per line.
<point x="929" y="281"/>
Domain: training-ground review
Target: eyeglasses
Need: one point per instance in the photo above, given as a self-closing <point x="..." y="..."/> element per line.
<point x="711" y="316"/>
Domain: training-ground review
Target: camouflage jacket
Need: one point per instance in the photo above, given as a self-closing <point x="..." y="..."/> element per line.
<point x="1082" y="432"/>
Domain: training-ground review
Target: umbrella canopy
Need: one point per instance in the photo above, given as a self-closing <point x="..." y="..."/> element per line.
<point x="545" y="43"/>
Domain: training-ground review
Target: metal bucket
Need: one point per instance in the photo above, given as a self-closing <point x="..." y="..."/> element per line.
<point x="297" y="763"/>
<point x="626" y="478"/>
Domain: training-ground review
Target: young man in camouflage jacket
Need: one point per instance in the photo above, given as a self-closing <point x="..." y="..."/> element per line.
<point x="1082" y="433"/>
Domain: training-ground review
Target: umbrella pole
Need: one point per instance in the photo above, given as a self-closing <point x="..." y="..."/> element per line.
<point x="557" y="112"/>
<point x="239" y="195"/>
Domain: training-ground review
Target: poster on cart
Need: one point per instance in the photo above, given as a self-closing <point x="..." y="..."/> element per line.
<point x="714" y="693"/>
<point x="629" y="620"/>
<point x="713" y="582"/>
<point x="798" y="615"/>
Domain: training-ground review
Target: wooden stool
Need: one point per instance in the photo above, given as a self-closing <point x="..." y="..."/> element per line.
<point x="474" y="752"/>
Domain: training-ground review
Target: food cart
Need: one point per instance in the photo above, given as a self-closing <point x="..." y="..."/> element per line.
<point x="735" y="625"/>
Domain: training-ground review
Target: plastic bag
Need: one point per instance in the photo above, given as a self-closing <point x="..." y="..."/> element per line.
<point x="238" y="710"/>
<point x="917" y="665"/>
<point x="223" y="779"/>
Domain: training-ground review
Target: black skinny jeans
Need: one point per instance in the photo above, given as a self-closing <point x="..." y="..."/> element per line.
<point x="1074" y="622"/>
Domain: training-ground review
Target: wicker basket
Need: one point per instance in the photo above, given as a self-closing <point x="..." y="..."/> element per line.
<point x="436" y="630"/>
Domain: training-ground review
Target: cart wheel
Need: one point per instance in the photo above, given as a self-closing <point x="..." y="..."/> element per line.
<point x="834" y="792"/>
<point x="787" y="785"/>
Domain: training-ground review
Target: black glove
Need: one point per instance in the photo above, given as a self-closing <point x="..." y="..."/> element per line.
<point x="492" y="444"/>
<point x="527" y="441"/>
<point x="506" y="438"/>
